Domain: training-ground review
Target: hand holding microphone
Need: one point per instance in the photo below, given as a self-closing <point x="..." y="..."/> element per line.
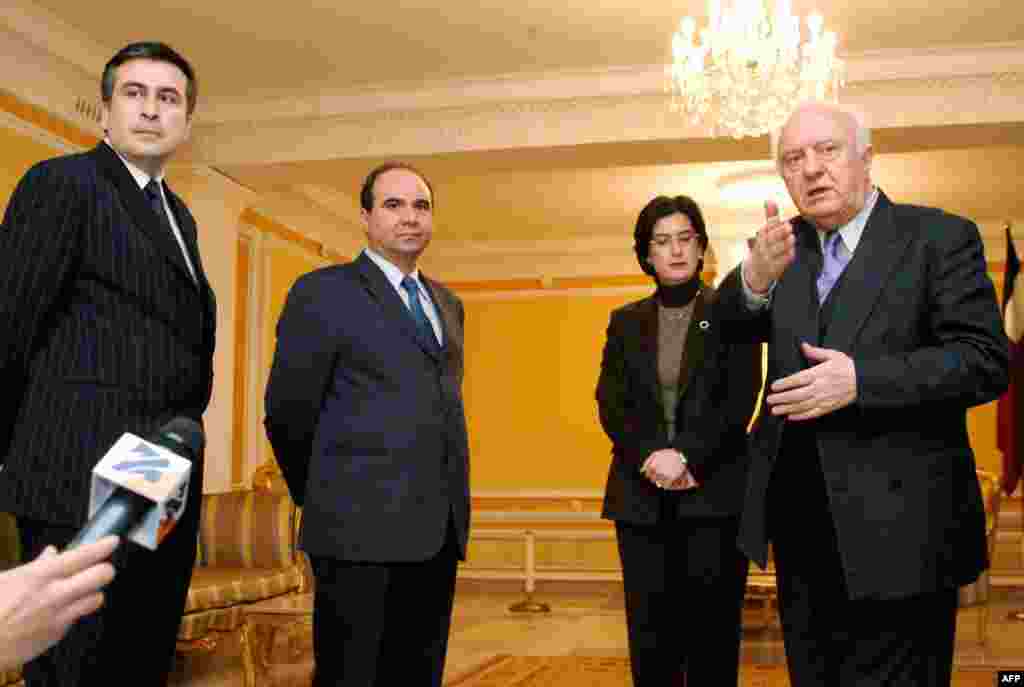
<point x="771" y="252"/>
<point x="140" y="486"/>
<point x="39" y="601"/>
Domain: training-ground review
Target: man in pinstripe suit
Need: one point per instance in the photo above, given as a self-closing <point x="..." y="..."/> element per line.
<point x="106" y="326"/>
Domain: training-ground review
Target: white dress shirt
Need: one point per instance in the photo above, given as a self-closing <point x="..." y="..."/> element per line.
<point x="395" y="276"/>
<point x="141" y="178"/>
<point x="850" y="233"/>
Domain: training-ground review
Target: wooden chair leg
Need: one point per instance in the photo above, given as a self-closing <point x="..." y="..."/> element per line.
<point x="983" y="618"/>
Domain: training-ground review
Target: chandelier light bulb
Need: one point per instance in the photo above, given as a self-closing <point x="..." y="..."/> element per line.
<point x="743" y="73"/>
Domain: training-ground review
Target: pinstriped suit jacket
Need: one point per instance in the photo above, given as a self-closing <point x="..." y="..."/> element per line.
<point x="102" y="329"/>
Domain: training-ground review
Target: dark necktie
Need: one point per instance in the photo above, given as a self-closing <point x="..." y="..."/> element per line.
<point x="836" y="255"/>
<point x="426" y="330"/>
<point x="156" y="201"/>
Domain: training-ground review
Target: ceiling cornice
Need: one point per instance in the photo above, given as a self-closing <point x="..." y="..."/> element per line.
<point x="54" y="65"/>
<point x="932" y="99"/>
<point x="615" y="82"/>
<point x="47" y="31"/>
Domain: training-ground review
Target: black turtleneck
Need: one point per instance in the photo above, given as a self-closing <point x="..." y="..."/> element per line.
<point x="678" y="295"/>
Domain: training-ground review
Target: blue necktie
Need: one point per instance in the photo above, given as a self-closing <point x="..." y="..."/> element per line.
<point x="836" y="256"/>
<point x="416" y="309"/>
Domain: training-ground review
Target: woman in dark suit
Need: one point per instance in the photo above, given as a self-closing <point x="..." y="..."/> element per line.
<point x="675" y="400"/>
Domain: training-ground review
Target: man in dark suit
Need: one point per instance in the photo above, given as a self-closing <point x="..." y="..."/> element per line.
<point x="883" y="330"/>
<point x="364" y="412"/>
<point x="106" y="326"/>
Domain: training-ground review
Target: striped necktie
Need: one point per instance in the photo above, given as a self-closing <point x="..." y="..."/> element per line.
<point x="419" y="316"/>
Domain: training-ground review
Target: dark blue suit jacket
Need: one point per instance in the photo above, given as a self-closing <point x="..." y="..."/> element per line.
<point x="366" y="419"/>
<point x="917" y="312"/>
<point x="102" y="329"/>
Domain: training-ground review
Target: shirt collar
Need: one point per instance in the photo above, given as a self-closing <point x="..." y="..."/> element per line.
<point x="854" y="229"/>
<point x="391" y="271"/>
<point x="141" y="178"/>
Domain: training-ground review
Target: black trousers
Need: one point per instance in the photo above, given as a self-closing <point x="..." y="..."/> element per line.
<point x="133" y="635"/>
<point x="684" y="582"/>
<point x="831" y="640"/>
<point x="383" y="624"/>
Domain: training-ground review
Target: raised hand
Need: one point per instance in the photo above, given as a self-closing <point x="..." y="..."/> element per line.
<point x="772" y="251"/>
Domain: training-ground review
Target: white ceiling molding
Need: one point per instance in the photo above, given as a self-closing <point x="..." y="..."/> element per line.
<point x="936" y="100"/>
<point x="45" y="30"/>
<point x="627" y="81"/>
<point x="50" y="82"/>
<point x="342" y="205"/>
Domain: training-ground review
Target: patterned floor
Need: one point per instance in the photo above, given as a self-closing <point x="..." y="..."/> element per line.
<point x="583" y="639"/>
<point x="588" y="671"/>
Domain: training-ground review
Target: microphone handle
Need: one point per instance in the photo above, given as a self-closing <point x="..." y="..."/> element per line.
<point x="118" y="514"/>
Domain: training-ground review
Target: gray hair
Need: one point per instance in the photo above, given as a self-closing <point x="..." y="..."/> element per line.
<point x="862" y="133"/>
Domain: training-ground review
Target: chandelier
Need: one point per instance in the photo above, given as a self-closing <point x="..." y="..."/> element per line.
<point x="744" y="73"/>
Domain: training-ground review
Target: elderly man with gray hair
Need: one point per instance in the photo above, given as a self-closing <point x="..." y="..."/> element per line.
<point x="883" y="329"/>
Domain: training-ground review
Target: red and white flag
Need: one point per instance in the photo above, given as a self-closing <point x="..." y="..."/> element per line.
<point x="1011" y="404"/>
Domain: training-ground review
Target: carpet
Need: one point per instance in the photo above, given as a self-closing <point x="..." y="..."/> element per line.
<point x="613" y="671"/>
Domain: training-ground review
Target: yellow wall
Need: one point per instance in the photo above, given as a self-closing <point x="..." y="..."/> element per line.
<point x="284" y="264"/>
<point x="531" y="369"/>
<point x="532" y="361"/>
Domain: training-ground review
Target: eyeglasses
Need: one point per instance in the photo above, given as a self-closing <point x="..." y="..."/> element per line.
<point x="824" y="151"/>
<point x="682" y="238"/>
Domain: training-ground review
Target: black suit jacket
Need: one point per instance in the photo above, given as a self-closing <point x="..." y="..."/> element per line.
<point x="719" y="383"/>
<point x="917" y="312"/>
<point x="366" y="419"/>
<point x="102" y="329"/>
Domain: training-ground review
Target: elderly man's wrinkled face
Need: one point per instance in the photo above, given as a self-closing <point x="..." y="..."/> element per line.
<point x="827" y="177"/>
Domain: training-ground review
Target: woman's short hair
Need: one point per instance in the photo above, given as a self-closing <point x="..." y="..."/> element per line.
<point x="658" y="208"/>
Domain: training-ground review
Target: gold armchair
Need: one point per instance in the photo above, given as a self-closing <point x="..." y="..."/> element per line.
<point x="246" y="554"/>
<point x="268" y="478"/>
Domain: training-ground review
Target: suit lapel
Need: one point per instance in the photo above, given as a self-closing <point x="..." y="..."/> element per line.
<point x="693" y="347"/>
<point x="446" y="315"/>
<point x="646" y="328"/>
<point x="798" y="292"/>
<point x="134" y="201"/>
<point x="381" y="290"/>
<point x="189" y="233"/>
<point x="879" y="251"/>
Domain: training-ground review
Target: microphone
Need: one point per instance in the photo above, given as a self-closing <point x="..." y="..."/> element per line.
<point x="140" y="486"/>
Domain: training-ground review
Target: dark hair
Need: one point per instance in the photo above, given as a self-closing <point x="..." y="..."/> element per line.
<point x="659" y="207"/>
<point x="149" y="50"/>
<point x="366" y="192"/>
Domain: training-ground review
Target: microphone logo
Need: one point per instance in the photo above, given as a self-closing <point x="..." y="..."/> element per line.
<point x="144" y="462"/>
